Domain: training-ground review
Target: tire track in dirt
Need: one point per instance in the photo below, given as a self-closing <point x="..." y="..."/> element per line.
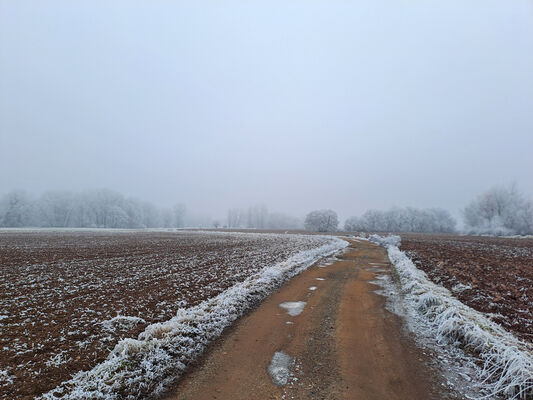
<point x="345" y="344"/>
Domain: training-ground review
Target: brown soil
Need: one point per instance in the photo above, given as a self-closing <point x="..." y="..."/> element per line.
<point x="496" y="274"/>
<point x="346" y="345"/>
<point x="56" y="289"/>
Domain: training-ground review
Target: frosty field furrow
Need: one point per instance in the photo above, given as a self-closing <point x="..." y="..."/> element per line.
<point x="492" y="275"/>
<point x="61" y="293"/>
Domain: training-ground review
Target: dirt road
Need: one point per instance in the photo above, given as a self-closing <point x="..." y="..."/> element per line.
<point x="343" y="345"/>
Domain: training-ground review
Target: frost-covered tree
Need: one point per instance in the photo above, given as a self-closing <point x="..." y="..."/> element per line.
<point x="321" y="221"/>
<point x="235" y="218"/>
<point x="500" y="211"/>
<point x="402" y="220"/>
<point x="258" y="217"/>
<point x="101" y="208"/>
<point x="16" y="209"/>
<point x="179" y="215"/>
<point x="283" y="221"/>
<point x="56" y="209"/>
<point x="352" y="224"/>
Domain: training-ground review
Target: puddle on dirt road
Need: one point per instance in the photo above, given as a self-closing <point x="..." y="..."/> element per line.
<point x="280" y="368"/>
<point x="293" y="308"/>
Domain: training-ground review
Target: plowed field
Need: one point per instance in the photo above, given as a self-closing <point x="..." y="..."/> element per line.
<point x="67" y="297"/>
<point x="492" y="275"/>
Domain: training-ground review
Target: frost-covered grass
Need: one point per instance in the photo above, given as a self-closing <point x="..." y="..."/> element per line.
<point x="506" y="363"/>
<point x="491" y="275"/>
<point x="143" y="367"/>
<point x="122" y="322"/>
<point x="5" y="377"/>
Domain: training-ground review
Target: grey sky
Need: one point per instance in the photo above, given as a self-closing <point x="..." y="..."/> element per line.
<point x="295" y="104"/>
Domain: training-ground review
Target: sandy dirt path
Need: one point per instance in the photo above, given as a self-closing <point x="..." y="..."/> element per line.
<point x="345" y="344"/>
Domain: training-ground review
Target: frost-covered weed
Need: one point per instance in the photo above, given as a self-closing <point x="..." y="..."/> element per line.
<point x="5" y="377"/>
<point x="143" y="367"/>
<point x="506" y="363"/>
<point x="57" y="360"/>
<point x="121" y="322"/>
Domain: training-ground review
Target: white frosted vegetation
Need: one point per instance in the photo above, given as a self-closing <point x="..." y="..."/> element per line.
<point x="122" y="322"/>
<point x="142" y="368"/>
<point x="321" y="221"/>
<point x="5" y="377"/>
<point x="506" y="362"/>
<point x="402" y="220"/>
<point x="500" y="211"/>
<point x="293" y="308"/>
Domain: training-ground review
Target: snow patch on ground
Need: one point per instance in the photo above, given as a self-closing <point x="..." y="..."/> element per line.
<point x="293" y="308"/>
<point x="280" y="368"/>
<point x="143" y="368"/>
<point x="505" y="362"/>
<point x="312" y="288"/>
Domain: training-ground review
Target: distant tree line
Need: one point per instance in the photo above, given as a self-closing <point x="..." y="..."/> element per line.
<point x="258" y="217"/>
<point x="498" y="211"/>
<point x="89" y="209"/>
<point x="408" y="219"/>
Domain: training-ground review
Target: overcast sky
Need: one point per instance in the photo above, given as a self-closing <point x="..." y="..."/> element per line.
<point x="295" y="104"/>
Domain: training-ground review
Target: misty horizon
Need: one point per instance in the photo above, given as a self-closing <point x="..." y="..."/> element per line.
<point x="297" y="107"/>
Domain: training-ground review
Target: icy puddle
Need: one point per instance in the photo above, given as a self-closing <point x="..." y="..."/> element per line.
<point x="313" y="288"/>
<point x="293" y="307"/>
<point x="320" y="279"/>
<point x="279" y="368"/>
